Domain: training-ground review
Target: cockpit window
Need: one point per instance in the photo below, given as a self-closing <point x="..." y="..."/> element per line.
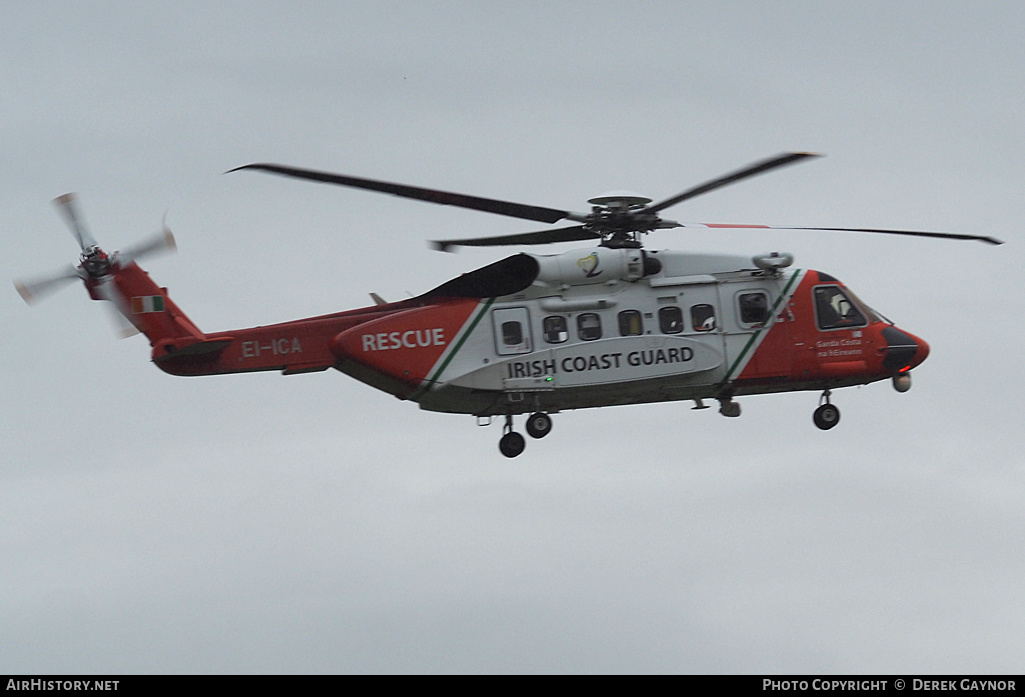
<point x="835" y="310"/>
<point x="871" y="314"/>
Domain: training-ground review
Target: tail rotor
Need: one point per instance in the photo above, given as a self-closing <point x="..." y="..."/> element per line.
<point x="95" y="267"/>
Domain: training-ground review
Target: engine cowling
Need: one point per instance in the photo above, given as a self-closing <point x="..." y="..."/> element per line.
<point x="599" y="265"/>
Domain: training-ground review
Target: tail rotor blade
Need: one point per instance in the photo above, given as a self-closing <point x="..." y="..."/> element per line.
<point x="35" y="289"/>
<point x="118" y="308"/>
<point x="67" y="206"/>
<point x="160" y="243"/>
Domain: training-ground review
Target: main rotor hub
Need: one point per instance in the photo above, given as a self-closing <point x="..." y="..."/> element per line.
<point x="621" y="217"/>
<point x="620" y="199"/>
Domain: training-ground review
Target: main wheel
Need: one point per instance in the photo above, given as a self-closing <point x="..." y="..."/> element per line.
<point x="512" y="444"/>
<point x="539" y="425"/>
<point x="826" y="416"/>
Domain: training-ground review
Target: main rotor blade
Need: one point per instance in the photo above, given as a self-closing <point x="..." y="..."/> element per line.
<point x="68" y="208"/>
<point x="445" y="198"/>
<point x="566" y="234"/>
<point x="761" y="167"/>
<point x="912" y="233"/>
<point x="35" y="289"/>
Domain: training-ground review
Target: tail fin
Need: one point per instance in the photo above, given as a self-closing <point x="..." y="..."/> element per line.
<point x="146" y="305"/>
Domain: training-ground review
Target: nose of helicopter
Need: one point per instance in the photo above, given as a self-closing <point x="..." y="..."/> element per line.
<point x="904" y="351"/>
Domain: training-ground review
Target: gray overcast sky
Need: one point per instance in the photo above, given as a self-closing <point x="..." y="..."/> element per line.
<point x="260" y="523"/>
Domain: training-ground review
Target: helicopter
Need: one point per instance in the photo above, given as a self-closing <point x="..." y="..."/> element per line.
<point x="536" y="334"/>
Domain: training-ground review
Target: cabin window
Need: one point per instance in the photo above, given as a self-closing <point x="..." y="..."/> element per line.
<point x="630" y="323"/>
<point x="754" y="308"/>
<point x="555" y="329"/>
<point x="512" y="333"/>
<point x="670" y="319"/>
<point x="588" y="326"/>
<point x="511" y="330"/>
<point x="834" y="310"/>
<point x="702" y="317"/>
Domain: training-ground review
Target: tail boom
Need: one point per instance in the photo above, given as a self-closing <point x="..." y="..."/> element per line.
<point x="294" y="347"/>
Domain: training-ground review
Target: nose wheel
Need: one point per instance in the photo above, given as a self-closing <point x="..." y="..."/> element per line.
<point x="827" y="415"/>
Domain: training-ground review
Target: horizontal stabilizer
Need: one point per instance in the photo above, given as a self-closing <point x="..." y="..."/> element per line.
<point x="174" y="350"/>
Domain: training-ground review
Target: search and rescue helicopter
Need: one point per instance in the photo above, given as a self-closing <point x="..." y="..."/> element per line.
<point x="537" y="334"/>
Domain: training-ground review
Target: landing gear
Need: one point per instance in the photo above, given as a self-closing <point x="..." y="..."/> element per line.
<point x="539" y="424"/>
<point x="827" y="415"/>
<point x="511" y="443"/>
<point x="727" y="407"/>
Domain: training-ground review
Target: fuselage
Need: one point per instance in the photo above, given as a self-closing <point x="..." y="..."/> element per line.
<point x="589" y="331"/>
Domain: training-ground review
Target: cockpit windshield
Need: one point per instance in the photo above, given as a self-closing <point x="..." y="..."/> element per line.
<point x="872" y="315"/>
<point x="836" y="308"/>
